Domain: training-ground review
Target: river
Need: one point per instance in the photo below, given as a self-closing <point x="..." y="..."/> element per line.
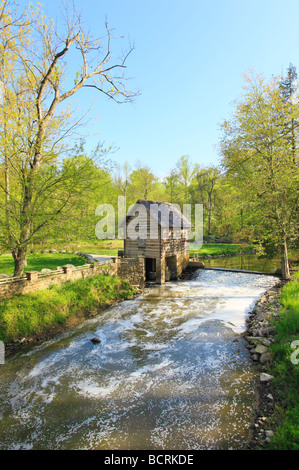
<point x="171" y="372"/>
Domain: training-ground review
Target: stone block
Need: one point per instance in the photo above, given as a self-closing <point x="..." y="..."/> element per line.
<point x="32" y="275"/>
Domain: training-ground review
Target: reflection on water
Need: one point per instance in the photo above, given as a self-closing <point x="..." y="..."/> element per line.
<point x="171" y="372"/>
<point x="245" y="262"/>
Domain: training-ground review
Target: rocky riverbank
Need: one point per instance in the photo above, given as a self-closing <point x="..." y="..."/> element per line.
<point x="259" y="336"/>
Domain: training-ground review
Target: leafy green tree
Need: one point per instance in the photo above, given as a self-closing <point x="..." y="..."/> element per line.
<point x="288" y="87"/>
<point x="206" y="183"/>
<point x="258" y="154"/>
<point x="185" y="171"/>
<point x="91" y="185"/>
<point x="172" y="186"/>
<point x="142" y="183"/>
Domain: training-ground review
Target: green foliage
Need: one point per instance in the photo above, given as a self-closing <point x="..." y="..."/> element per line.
<point x="285" y="372"/>
<point x="288" y="324"/>
<point x="259" y="155"/>
<point x="29" y="314"/>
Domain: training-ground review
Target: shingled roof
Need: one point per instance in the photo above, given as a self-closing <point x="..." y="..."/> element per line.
<point x="158" y="211"/>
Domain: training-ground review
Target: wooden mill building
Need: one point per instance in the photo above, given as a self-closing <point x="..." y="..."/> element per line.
<point x="159" y="233"/>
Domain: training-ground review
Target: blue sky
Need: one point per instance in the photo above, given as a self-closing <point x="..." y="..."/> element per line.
<point x="188" y="63"/>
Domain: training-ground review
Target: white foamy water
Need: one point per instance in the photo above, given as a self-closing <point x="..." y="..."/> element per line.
<point x="171" y="371"/>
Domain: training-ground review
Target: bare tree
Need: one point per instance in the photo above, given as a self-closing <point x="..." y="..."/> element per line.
<point x="122" y="178"/>
<point x="36" y="114"/>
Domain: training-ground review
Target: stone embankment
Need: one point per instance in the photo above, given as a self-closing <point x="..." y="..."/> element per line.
<point x="129" y="269"/>
<point x="259" y="336"/>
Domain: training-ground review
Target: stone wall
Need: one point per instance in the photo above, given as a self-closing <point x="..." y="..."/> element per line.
<point x="131" y="270"/>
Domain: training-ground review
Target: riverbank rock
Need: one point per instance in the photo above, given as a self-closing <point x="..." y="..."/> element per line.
<point x="95" y="340"/>
<point x="266" y="358"/>
<point x="265" y="378"/>
<point x="259" y="336"/>
<point x="260" y="349"/>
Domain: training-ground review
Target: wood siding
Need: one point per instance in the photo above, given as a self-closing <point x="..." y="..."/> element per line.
<point x="149" y="248"/>
<point x="167" y="245"/>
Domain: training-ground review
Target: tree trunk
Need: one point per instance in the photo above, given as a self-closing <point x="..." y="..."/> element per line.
<point x="19" y="253"/>
<point x="285" y="261"/>
<point x="19" y="257"/>
<point x="210" y="212"/>
<point x="293" y="142"/>
<point x="7" y="193"/>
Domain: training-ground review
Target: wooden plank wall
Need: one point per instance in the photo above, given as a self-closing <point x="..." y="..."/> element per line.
<point x="152" y="248"/>
<point x="149" y="248"/>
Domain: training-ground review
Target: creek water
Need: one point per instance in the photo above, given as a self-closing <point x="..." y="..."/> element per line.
<point x="246" y="263"/>
<point x="171" y="372"/>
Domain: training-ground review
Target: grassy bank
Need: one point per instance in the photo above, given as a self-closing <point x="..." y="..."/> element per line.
<point x="31" y="314"/>
<point x="285" y="369"/>
<point x="215" y="249"/>
<point x="38" y="261"/>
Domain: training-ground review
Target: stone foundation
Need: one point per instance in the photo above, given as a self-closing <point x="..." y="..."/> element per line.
<point x="132" y="269"/>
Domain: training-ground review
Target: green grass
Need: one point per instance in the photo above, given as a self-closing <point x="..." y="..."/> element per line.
<point x="219" y="249"/>
<point x="285" y="371"/>
<point x="96" y="247"/>
<point x="103" y="247"/>
<point x="37" y="261"/>
<point x="112" y="252"/>
<point x="30" y="314"/>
